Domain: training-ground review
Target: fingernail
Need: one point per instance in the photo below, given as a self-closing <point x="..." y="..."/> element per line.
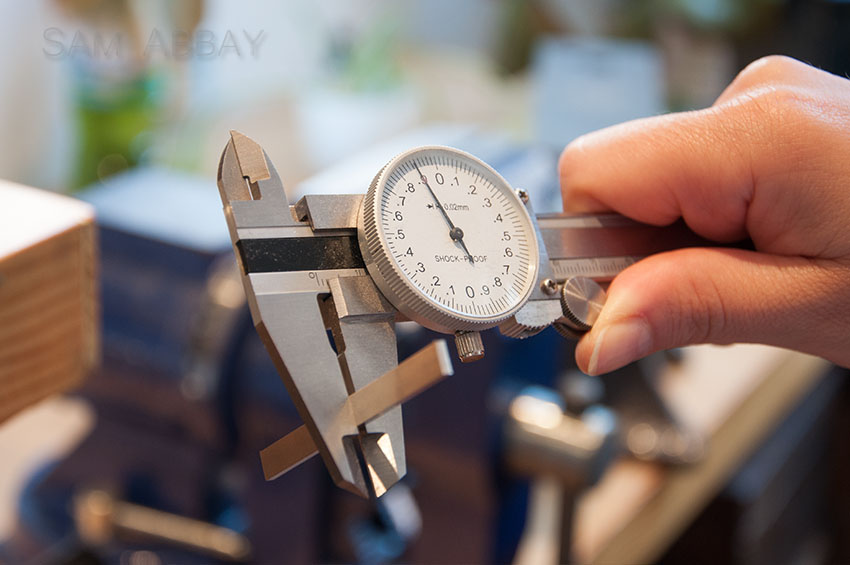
<point x="619" y="344"/>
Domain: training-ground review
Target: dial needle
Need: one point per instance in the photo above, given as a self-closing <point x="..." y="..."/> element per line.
<point x="454" y="232"/>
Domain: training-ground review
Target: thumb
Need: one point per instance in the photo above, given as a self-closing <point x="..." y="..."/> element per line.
<point x="710" y="295"/>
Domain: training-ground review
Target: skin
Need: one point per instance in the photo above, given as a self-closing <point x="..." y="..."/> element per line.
<point x="770" y="160"/>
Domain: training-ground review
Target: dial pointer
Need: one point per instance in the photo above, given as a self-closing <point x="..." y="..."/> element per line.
<point x="454" y="232"/>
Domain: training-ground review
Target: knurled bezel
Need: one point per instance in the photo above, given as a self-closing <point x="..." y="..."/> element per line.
<point x="395" y="286"/>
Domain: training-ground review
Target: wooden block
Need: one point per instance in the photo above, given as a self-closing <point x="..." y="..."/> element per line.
<point x="49" y="314"/>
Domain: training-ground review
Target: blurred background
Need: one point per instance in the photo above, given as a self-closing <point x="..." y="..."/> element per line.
<point x="126" y="105"/>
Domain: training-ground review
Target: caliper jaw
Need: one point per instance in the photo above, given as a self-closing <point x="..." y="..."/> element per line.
<point x="362" y="323"/>
<point x="304" y="276"/>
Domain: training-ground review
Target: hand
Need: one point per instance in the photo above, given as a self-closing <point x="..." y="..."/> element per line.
<point x="770" y="160"/>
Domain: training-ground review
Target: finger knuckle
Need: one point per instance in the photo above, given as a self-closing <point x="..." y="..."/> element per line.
<point x="771" y="67"/>
<point x="781" y="99"/>
<point x="766" y="113"/>
<point x="709" y="314"/>
<point x="696" y="310"/>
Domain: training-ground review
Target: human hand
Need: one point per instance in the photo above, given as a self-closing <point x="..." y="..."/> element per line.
<point x="770" y="160"/>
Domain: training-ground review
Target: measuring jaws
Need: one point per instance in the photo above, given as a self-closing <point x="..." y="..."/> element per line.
<point x="439" y="238"/>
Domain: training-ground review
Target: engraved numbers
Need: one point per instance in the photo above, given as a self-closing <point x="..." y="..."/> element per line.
<point x="458" y="234"/>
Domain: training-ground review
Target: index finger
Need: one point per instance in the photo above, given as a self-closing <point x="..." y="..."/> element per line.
<point x="694" y="165"/>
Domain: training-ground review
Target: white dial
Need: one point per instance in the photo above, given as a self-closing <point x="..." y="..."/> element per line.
<point x="448" y="241"/>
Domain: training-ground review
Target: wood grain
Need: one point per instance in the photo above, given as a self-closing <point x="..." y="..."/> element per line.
<point x="48" y="295"/>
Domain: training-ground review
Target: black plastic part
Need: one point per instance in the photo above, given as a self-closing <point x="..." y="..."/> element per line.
<point x="300" y="254"/>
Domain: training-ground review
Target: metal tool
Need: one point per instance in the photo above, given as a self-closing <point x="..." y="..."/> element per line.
<point x="545" y="440"/>
<point x="99" y="517"/>
<point x="439" y="238"/>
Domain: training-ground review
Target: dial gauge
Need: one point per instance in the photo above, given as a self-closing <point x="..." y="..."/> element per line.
<point x="447" y="240"/>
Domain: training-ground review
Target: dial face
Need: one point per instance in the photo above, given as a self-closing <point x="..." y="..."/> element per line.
<point x="456" y="235"/>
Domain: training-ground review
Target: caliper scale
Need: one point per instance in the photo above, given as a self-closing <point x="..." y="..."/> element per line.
<point x="439" y="238"/>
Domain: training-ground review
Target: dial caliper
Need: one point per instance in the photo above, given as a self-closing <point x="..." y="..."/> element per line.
<point x="439" y="238"/>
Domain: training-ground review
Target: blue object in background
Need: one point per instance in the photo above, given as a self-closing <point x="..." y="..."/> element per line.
<point x="582" y="85"/>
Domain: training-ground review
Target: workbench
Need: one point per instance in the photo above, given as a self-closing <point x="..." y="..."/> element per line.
<point x="735" y="396"/>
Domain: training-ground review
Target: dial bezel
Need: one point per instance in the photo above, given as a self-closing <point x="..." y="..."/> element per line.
<point x="409" y="299"/>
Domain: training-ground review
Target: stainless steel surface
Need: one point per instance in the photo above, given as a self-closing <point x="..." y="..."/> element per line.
<point x="541" y="310"/>
<point x="252" y="163"/>
<point x="329" y="211"/>
<point x="649" y="429"/>
<point x="418" y="372"/>
<point x="582" y="300"/>
<point x="542" y="439"/>
<point x="99" y="517"/>
<point x="469" y="346"/>
<point x="522" y="195"/>
<point x="600" y="246"/>
<point x="566" y="331"/>
<point x="292" y="327"/>
<point x="300" y="281"/>
<point x="362" y="324"/>
<point x="597" y="268"/>
<point x="239" y="189"/>
<point x="415" y="374"/>
<point x="293" y="309"/>
<point x="288" y="452"/>
<point x="532" y="318"/>
<point x="549" y="286"/>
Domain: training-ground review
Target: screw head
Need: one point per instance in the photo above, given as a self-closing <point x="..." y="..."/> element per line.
<point x="549" y="287"/>
<point x="523" y="195"/>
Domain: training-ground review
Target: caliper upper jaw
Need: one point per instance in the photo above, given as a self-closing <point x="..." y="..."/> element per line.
<point x="296" y="294"/>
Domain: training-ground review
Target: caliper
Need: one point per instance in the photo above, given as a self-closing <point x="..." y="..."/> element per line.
<point x="439" y="238"/>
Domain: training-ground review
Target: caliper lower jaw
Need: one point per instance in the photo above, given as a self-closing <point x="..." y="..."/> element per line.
<point x="294" y="310"/>
<point x="320" y="381"/>
<point x="362" y="324"/>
